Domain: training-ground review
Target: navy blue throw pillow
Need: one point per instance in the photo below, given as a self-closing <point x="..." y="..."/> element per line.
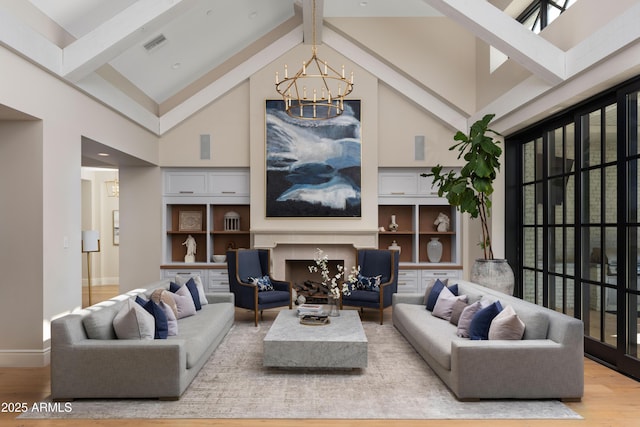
<point x="438" y="286"/>
<point x="173" y="287"/>
<point x="193" y="288"/>
<point x="454" y="289"/>
<point x="162" y="325"/>
<point x="481" y="322"/>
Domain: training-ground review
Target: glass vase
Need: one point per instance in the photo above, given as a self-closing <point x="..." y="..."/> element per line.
<point x="332" y="306"/>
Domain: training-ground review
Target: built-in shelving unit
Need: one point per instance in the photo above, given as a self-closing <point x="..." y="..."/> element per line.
<point x="408" y="197"/>
<point x="196" y="202"/>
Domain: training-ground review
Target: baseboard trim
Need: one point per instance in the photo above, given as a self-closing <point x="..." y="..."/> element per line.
<point x="25" y="358"/>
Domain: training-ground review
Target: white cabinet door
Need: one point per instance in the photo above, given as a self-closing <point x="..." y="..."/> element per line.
<point x="229" y="183"/>
<point x="397" y="183"/>
<point x="185" y="183"/>
<point x="407" y="281"/>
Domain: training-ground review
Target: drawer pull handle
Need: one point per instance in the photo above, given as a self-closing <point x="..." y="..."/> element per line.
<point x="186" y="192"/>
<point x="228" y="192"/>
<point x="398" y="193"/>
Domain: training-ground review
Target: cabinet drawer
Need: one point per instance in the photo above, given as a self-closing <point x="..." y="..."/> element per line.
<point x="397" y="183"/>
<point x="218" y="281"/>
<point x="185" y="183"/>
<point x="407" y="281"/>
<point x="171" y="274"/>
<point x="229" y="183"/>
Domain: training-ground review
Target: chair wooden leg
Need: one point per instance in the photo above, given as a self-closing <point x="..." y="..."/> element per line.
<point x="381" y="315"/>
<point x="256" y="316"/>
<point x="261" y="314"/>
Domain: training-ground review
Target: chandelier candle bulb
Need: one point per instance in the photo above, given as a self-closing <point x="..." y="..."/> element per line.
<point x="286" y="72"/>
<point x="277" y="79"/>
<point x="343" y="71"/>
<point x="304" y="68"/>
<point x="325" y="68"/>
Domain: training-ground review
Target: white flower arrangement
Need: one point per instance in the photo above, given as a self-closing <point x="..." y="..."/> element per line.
<point x="333" y="283"/>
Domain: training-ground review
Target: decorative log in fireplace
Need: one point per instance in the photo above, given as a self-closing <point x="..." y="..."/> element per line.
<point x="314" y="292"/>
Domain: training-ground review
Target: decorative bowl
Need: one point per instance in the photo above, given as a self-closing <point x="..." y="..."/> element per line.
<point x="219" y="258"/>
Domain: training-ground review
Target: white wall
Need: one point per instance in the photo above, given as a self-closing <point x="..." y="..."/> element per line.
<point x="67" y="115"/>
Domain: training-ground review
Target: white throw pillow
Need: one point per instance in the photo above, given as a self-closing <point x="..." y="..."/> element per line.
<point x="134" y="322"/>
<point x="181" y="280"/>
<point x="506" y="326"/>
<point x="444" y="304"/>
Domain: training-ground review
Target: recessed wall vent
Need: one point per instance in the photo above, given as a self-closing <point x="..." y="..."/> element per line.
<point x="155" y="43"/>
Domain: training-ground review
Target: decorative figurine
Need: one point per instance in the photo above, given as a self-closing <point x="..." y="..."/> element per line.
<point x="190" y="243"/>
<point x="394" y="225"/>
<point x="442" y="222"/>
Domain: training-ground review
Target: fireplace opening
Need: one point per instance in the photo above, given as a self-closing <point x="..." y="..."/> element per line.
<point x="307" y="283"/>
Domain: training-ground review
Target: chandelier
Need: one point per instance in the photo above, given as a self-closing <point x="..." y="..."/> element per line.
<point x="317" y="90"/>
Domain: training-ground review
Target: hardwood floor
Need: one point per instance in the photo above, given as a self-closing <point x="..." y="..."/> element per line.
<point x="610" y="399"/>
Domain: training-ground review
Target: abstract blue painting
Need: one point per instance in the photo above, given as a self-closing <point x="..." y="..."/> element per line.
<point x="313" y="166"/>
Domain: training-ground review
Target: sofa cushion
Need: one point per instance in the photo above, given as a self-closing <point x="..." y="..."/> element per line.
<point x="445" y="302"/>
<point x="181" y="280"/>
<point x="437" y="287"/>
<point x="172" y="320"/>
<point x="506" y="325"/>
<point x="99" y="323"/>
<point x="430" y="285"/>
<point x="481" y="322"/>
<point x="536" y="323"/>
<point x="162" y="295"/>
<point x="133" y="322"/>
<point x="262" y="283"/>
<point x="193" y="291"/>
<point x="456" y="311"/>
<point x="369" y="283"/>
<point x="466" y="317"/>
<point x="198" y="339"/>
<point x="184" y="302"/>
<point x="161" y="325"/>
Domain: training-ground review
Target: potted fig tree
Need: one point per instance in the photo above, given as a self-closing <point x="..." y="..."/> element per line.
<point x="470" y="192"/>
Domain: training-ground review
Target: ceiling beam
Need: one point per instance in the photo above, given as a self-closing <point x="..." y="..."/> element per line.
<point x="309" y="24"/>
<point x="133" y="25"/>
<point x="499" y="30"/>
<point x="230" y="80"/>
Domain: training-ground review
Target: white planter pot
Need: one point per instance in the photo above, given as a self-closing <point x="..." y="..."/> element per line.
<point x="494" y="274"/>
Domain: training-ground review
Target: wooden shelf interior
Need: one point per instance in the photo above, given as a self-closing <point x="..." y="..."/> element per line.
<point x="221" y="239"/>
<point x="178" y="250"/>
<point x="174" y="217"/>
<point x="404" y="217"/>
<point x="405" y="241"/>
<point x="426" y="218"/>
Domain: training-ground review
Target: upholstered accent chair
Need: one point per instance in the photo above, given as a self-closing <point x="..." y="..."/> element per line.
<point x="378" y="280"/>
<point x="251" y="283"/>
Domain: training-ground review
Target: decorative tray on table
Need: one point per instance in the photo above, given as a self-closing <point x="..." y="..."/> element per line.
<point x="314" y="319"/>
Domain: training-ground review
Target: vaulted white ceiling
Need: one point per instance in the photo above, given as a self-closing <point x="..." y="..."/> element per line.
<point x="102" y="48"/>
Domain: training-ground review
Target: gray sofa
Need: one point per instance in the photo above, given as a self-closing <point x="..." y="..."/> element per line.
<point x="110" y="368"/>
<point x="546" y="363"/>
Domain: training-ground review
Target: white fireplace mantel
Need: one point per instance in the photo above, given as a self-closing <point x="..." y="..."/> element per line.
<point x="295" y="244"/>
<point x="269" y="239"/>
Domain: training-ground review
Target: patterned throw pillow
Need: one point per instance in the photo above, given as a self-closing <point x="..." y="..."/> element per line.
<point x="263" y="283"/>
<point x="366" y="283"/>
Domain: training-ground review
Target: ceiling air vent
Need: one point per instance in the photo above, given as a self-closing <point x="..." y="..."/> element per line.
<point x="155" y="43"/>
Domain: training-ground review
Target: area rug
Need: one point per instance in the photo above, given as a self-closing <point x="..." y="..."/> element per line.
<point x="397" y="384"/>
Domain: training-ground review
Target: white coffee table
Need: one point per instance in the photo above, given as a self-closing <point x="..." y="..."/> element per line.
<point x="339" y="344"/>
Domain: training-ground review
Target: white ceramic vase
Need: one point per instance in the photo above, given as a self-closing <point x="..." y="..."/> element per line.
<point x="434" y="250"/>
<point x="494" y="274"/>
